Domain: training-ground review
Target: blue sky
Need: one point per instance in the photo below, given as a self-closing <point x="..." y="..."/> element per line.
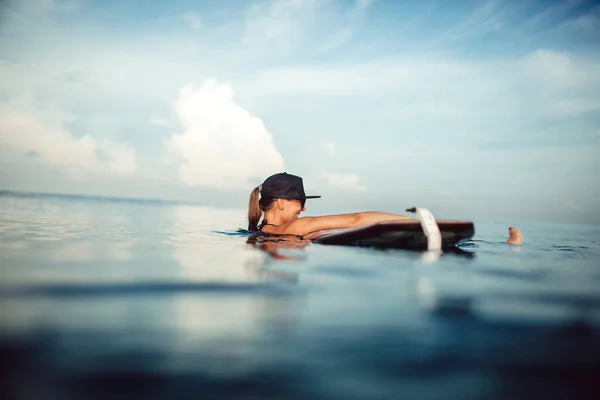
<point x="475" y="109"/>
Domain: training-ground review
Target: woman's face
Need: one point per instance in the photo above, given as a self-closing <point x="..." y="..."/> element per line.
<point x="292" y="208"/>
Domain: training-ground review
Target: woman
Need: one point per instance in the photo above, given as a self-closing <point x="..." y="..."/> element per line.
<point x="514" y="236"/>
<point x="281" y="198"/>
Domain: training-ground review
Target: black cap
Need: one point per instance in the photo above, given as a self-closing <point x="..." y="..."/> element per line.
<point x="284" y="186"/>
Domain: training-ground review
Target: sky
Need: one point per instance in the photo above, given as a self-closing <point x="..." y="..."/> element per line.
<point x="473" y="109"/>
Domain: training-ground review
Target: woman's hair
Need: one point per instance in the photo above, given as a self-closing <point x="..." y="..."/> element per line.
<point x="256" y="207"/>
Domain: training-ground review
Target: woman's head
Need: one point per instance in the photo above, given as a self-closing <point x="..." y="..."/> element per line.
<point x="287" y="209"/>
<point x="282" y="192"/>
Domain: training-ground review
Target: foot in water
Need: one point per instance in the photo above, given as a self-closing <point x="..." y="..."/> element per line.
<point x="514" y="236"/>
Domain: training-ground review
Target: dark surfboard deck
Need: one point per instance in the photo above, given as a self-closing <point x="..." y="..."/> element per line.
<point x="399" y="235"/>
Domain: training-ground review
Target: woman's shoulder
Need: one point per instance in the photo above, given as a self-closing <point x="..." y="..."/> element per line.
<point x="305" y="225"/>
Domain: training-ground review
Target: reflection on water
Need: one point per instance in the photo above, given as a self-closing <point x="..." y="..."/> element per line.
<point x="106" y="298"/>
<point x="278" y="246"/>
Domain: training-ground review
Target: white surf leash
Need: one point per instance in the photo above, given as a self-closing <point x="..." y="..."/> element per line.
<point x="430" y="228"/>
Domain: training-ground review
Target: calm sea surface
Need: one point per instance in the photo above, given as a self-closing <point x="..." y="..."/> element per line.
<point x="132" y="299"/>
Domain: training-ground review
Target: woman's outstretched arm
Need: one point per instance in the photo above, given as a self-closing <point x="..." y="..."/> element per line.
<point x="305" y="225"/>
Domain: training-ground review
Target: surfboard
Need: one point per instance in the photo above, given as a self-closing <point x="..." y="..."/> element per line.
<point x="400" y="235"/>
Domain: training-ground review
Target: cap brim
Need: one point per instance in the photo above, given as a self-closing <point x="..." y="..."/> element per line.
<point x="312" y="197"/>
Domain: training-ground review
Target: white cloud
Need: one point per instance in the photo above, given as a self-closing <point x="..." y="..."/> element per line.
<point x="331" y="149"/>
<point x="36" y="8"/>
<point x="51" y="143"/>
<point x="288" y="23"/>
<point x="363" y="4"/>
<point x="544" y="81"/>
<point x="222" y="144"/>
<point x="343" y="181"/>
<point x="336" y="39"/>
<point x="587" y="23"/>
<point x="274" y="20"/>
<point x="119" y="158"/>
<point x="159" y="121"/>
<point x="488" y="17"/>
<point x="193" y="19"/>
<point x="569" y="204"/>
<point x="348" y="23"/>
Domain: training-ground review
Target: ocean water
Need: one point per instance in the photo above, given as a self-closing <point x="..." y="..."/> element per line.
<point x="116" y="299"/>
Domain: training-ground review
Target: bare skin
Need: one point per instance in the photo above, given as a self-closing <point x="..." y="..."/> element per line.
<point x="514" y="236"/>
<point x="284" y="218"/>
